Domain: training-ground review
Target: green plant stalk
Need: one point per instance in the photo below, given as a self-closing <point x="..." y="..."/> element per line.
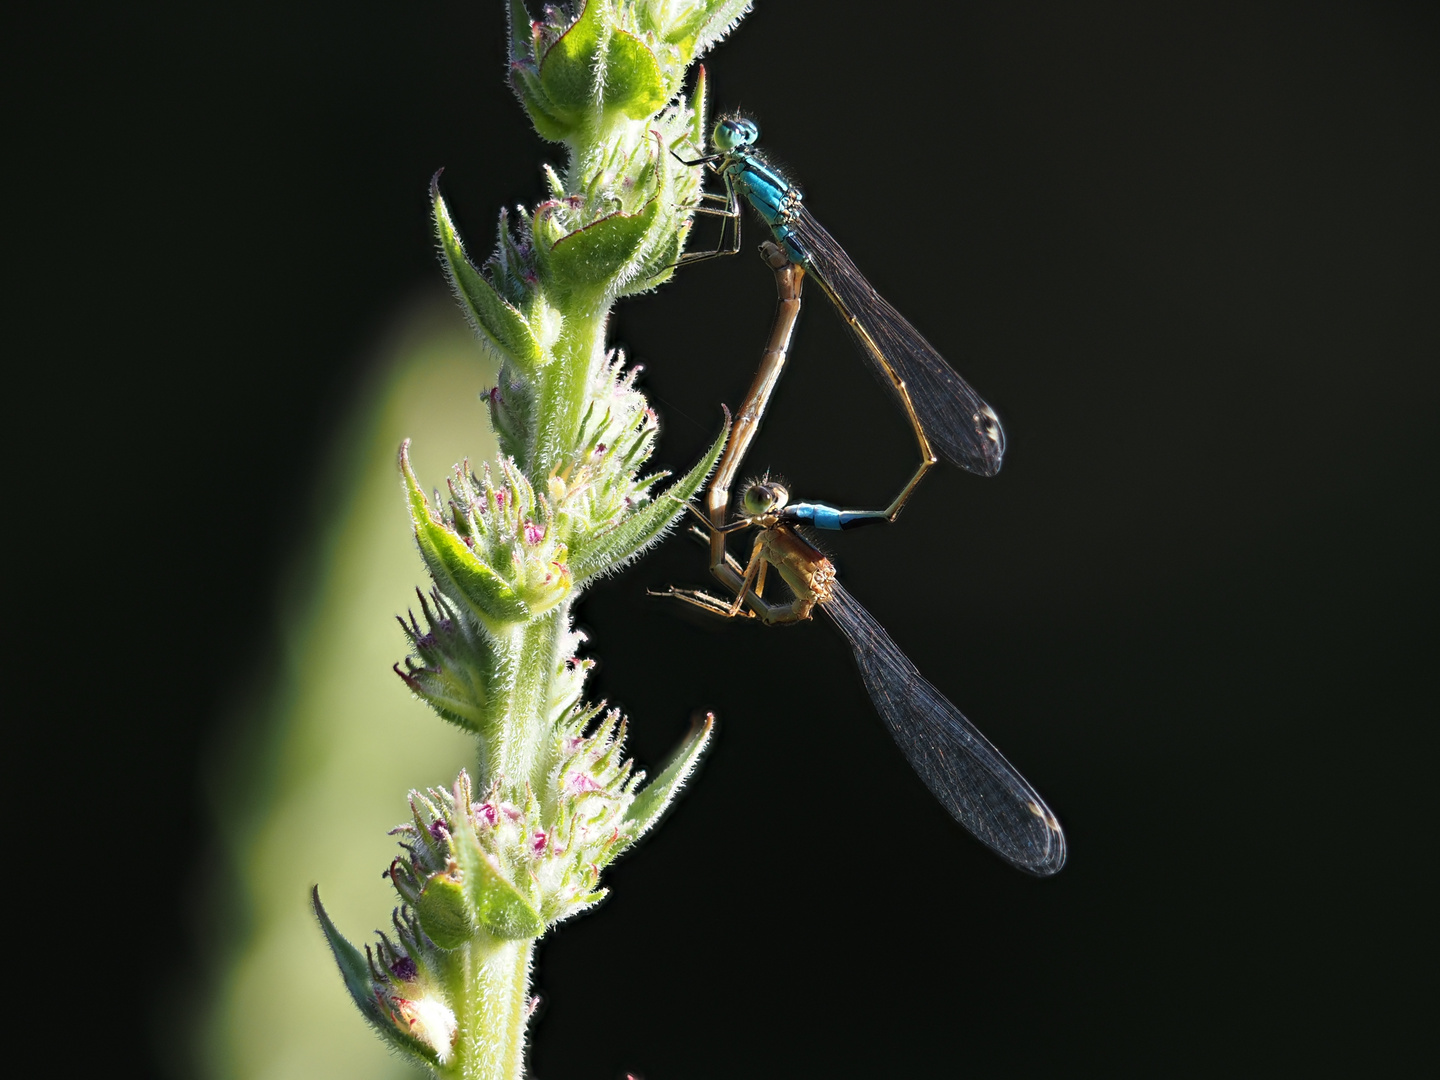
<point x="532" y="652"/>
<point x="561" y="395"/>
<point x="493" y="988"/>
<point x="489" y="865"/>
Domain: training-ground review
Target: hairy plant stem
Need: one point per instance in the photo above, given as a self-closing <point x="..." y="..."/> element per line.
<point x="534" y="656"/>
<point x="562" y="389"/>
<point x="493" y="1024"/>
<point x="490" y="864"/>
<point x="494" y="1005"/>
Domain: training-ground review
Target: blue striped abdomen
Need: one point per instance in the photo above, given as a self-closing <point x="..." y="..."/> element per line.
<point x="829" y="518"/>
<point x="774" y="198"/>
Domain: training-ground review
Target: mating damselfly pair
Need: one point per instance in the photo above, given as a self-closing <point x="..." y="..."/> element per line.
<point x="962" y="769"/>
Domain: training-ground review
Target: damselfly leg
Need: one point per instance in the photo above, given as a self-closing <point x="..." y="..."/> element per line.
<point x="789" y="285"/>
<point x="731" y="220"/>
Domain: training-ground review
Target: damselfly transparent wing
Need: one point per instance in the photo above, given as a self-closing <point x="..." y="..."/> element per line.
<point x="972" y="780"/>
<point x="960" y="426"/>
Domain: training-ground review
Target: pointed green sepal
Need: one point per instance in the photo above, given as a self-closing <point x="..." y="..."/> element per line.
<point x="612" y="549"/>
<point x="633" y="81"/>
<point x="592" y="258"/>
<point x="595" y="63"/>
<point x="655" y="797"/>
<point x="455" y="568"/>
<point x="568" y="69"/>
<point x="548" y="121"/>
<point x="444" y="912"/>
<point x="553" y="182"/>
<point x="355" y="970"/>
<point x="721" y="19"/>
<point x="682" y="32"/>
<point x="500" y="325"/>
<point x="520" y="34"/>
<point x="699" y="106"/>
<point x="498" y="905"/>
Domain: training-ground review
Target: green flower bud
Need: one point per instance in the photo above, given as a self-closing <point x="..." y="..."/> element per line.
<point x="450" y="666"/>
<point x="461" y="574"/>
<point x="445" y="911"/>
<point x="516" y="861"/>
<point x="398" y="986"/>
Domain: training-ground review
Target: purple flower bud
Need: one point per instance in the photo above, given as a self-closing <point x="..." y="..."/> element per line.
<point x="404" y="968"/>
<point x="580" y="782"/>
<point x="486" y="815"/>
<point x="440" y="830"/>
<point x="537" y="844"/>
<point x="533" y="533"/>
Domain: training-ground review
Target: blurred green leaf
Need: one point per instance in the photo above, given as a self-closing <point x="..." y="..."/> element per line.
<point x="298" y="790"/>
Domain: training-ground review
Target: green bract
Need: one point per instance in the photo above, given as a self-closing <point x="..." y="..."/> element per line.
<point x="615" y="61"/>
<point x="501" y="326"/>
<point x="487" y="867"/>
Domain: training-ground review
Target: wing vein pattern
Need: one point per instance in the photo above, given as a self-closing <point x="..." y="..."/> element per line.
<point x="962" y="428"/>
<point x="961" y="767"/>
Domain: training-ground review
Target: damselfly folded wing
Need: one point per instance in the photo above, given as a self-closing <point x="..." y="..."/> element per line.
<point x="961" y="427"/>
<point x="971" y="778"/>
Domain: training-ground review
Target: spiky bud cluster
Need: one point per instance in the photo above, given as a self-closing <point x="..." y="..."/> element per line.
<point x="595" y="487"/>
<point x="539" y="858"/>
<point x="476" y="870"/>
<point x="505" y="550"/>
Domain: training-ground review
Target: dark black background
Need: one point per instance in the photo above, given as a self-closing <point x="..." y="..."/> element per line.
<point x="1188" y="251"/>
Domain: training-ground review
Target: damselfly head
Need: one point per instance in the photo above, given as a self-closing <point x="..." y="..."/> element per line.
<point x="733" y="132"/>
<point x="764" y="497"/>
